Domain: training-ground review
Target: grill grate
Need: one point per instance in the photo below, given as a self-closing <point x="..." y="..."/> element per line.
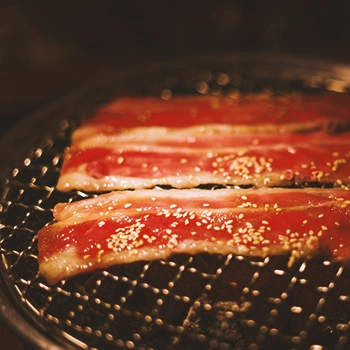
<point x="197" y="302"/>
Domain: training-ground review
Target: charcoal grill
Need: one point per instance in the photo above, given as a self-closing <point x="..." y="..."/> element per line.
<point x="185" y="302"/>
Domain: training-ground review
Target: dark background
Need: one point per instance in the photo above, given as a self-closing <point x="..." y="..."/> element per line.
<point x="49" y="48"/>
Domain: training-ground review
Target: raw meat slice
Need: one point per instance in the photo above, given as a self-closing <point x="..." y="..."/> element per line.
<point x="132" y="166"/>
<point x="127" y="226"/>
<point x="302" y="112"/>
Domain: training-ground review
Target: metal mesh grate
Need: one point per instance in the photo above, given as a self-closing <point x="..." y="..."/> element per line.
<point x="186" y="302"/>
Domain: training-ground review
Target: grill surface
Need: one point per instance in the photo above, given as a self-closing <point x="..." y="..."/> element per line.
<point x="197" y="302"/>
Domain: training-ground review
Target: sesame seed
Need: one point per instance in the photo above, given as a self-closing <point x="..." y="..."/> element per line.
<point x="266" y="180"/>
<point x="241" y="216"/>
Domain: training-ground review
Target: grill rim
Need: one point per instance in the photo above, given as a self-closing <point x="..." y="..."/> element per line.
<point x="46" y="127"/>
<point x="19" y="323"/>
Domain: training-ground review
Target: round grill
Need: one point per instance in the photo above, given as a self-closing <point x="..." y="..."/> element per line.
<point x="186" y="302"/>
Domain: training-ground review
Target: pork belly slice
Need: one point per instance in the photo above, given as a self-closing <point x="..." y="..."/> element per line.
<point x="127" y="226"/>
<point x="137" y="166"/>
<point x="251" y="112"/>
